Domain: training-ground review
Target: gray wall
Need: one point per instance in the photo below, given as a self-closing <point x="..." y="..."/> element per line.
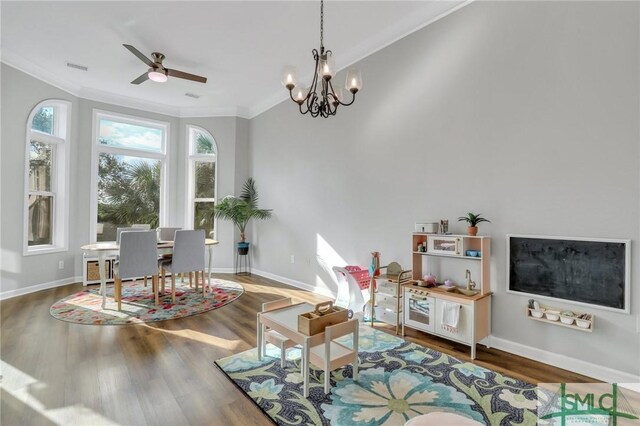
<point x="524" y="111"/>
<point x="20" y="93"/>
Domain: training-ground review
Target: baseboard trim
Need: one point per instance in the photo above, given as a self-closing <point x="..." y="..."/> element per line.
<point x="222" y="270"/>
<point x="599" y="372"/>
<point x="33" y="288"/>
<point x="299" y="284"/>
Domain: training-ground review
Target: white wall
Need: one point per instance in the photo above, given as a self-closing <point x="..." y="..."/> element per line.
<point x="524" y="111"/>
<point x="20" y="93"/>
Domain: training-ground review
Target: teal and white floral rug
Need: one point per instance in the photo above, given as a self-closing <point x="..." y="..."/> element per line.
<point x="398" y="380"/>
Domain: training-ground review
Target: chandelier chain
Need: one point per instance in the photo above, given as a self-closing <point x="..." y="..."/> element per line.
<point x="321" y="24"/>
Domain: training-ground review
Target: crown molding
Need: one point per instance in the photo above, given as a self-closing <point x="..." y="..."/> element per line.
<point x="370" y="46"/>
<point x="127" y="102"/>
<point x="240" y="112"/>
<point x="38" y="72"/>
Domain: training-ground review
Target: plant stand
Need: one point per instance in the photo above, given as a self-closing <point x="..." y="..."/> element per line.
<point x="242" y="264"/>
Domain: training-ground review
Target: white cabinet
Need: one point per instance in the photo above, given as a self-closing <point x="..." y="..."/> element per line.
<point x="91" y="272"/>
<point x="387" y="297"/>
<point x="463" y="332"/>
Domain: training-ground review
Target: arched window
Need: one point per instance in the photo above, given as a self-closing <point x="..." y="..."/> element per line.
<point x="201" y="189"/>
<point x="46" y="215"/>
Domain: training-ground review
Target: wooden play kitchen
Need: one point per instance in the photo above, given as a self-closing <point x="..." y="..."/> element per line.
<point x="423" y="303"/>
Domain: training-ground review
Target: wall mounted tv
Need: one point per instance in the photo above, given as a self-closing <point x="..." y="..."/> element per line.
<point x="585" y="271"/>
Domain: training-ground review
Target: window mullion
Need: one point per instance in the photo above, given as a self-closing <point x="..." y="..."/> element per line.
<point x="106" y="149"/>
<point x="45" y="138"/>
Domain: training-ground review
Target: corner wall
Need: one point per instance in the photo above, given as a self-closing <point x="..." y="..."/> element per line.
<point x="524" y="111"/>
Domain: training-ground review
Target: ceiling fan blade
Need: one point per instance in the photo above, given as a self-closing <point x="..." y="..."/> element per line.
<point x="144" y="77"/>
<point x="140" y="55"/>
<point x="186" y="76"/>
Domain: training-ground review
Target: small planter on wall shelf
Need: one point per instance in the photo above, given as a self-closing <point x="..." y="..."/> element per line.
<point x="472" y="230"/>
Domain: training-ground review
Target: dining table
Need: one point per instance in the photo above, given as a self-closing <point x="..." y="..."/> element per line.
<point x="105" y="248"/>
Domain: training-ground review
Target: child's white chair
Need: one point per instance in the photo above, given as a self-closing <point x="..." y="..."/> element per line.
<point x="272" y="336"/>
<point x="332" y="354"/>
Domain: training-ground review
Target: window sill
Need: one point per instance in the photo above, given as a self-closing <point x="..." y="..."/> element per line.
<point x="33" y="251"/>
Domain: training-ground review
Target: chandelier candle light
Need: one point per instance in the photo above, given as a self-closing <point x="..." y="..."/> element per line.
<point x="324" y="100"/>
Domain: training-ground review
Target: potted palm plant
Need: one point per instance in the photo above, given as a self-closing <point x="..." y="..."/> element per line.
<point x="240" y="210"/>
<point x="473" y="220"/>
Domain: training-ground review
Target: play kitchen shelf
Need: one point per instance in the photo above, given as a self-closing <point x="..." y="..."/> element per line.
<point x="463" y="247"/>
<point x="423" y="307"/>
<point x="579" y="321"/>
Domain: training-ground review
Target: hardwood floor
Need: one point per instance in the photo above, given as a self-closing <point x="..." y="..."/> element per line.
<point x="159" y="373"/>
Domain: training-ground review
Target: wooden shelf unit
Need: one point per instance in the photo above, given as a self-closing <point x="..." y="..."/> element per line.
<point x="560" y="323"/>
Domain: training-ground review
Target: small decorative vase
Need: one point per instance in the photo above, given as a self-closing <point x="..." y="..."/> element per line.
<point x="472" y="230"/>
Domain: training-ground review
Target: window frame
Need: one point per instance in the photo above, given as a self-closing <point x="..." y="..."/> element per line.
<point x="97" y="149"/>
<point x="193" y="157"/>
<point x="60" y="144"/>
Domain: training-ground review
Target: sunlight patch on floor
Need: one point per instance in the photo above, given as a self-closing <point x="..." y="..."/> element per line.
<point x="20" y="385"/>
<point x="200" y="337"/>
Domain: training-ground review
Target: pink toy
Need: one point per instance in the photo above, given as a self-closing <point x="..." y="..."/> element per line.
<point x="354" y="285"/>
<point x="430" y="278"/>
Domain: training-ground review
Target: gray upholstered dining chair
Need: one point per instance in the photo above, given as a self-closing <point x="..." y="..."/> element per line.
<point x="138" y="258"/>
<point x="167" y="234"/>
<point x="119" y="232"/>
<point x="188" y="256"/>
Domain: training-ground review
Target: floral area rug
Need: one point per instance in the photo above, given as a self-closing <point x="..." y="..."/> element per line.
<point x="398" y="381"/>
<point x="138" y="303"/>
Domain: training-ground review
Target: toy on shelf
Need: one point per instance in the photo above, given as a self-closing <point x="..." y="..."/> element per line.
<point x="354" y="286"/>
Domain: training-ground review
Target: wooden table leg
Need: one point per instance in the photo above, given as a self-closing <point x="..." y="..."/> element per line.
<point x="210" y="266"/>
<point x="259" y="336"/>
<point x="305" y="368"/>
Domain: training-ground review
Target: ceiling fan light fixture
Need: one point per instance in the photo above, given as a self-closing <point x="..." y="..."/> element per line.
<point x="157" y="76"/>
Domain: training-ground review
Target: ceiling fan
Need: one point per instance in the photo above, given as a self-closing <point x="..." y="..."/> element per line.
<point x="157" y="71"/>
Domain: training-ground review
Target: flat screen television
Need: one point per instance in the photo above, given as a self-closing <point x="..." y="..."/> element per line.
<point x="594" y="272"/>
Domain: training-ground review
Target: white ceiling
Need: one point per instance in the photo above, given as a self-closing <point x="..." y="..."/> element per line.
<point x="240" y="46"/>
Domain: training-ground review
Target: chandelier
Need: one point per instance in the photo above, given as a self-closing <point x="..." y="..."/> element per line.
<point x="320" y="98"/>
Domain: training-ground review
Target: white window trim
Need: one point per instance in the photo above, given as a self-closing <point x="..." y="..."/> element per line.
<point x="61" y="144"/>
<point x="191" y="159"/>
<point x="96" y="149"/>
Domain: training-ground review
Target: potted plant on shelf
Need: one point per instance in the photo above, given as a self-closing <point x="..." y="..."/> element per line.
<point x="473" y="220"/>
<point x="240" y="210"/>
